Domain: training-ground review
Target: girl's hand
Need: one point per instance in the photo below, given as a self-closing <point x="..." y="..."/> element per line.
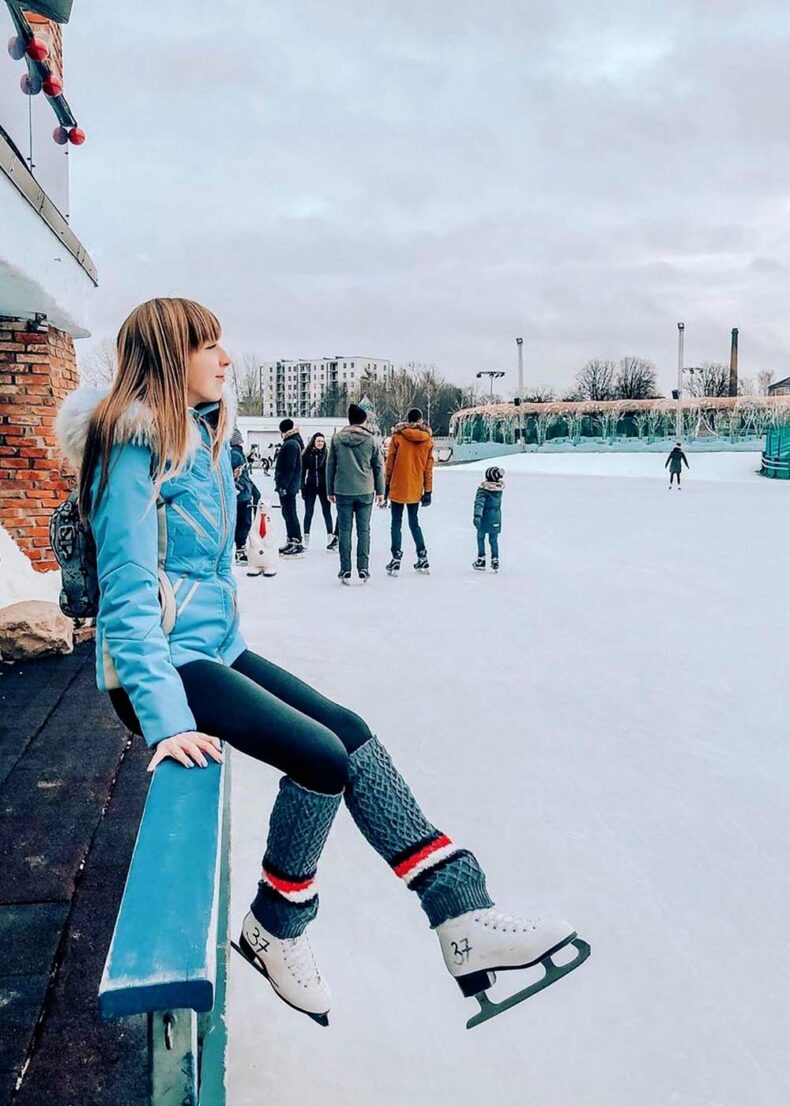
<point x="185" y="745"/>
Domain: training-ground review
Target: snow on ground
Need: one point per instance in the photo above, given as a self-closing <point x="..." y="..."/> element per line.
<point x="605" y="724"/>
<point x="18" y="580"/>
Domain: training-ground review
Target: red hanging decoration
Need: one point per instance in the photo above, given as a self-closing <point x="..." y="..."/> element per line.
<point x="60" y="135"/>
<point x="31" y="86"/>
<point x="37" y="49"/>
<point x="16" y="47"/>
<point x="53" y="86"/>
<point x="77" y="136"/>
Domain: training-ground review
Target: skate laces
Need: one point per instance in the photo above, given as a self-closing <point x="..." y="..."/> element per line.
<point x="496" y="920"/>
<point x="298" y="955"/>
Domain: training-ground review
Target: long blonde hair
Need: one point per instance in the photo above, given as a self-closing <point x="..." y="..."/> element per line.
<point x="153" y="348"/>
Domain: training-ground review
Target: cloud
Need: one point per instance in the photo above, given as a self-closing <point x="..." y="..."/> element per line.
<point x="426" y="181"/>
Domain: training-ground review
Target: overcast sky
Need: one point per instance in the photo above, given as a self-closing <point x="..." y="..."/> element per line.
<point x="427" y="179"/>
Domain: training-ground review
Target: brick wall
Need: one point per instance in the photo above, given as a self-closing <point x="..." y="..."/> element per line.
<point x="37" y="371"/>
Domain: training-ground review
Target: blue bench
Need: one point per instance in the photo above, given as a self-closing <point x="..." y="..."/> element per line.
<point x="168" y="955"/>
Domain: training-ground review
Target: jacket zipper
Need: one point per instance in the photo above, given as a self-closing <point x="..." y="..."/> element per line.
<point x="224" y="527"/>
<point x="223" y="539"/>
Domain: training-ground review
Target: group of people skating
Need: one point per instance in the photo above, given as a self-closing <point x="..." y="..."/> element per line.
<point x="352" y="474"/>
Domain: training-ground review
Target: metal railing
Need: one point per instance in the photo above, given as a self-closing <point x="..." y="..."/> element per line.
<point x="778" y="467"/>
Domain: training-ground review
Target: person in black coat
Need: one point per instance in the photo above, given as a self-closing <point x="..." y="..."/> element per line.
<point x="674" y="462"/>
<point x="287" y="484"/>
<point x="314" y="487"/>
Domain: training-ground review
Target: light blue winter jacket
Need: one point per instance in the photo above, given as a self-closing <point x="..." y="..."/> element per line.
<point x="167" y="593"/>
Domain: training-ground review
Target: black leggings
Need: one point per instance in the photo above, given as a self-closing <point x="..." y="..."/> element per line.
<point x="309" y="507"/>
<point x="270" y="715"/>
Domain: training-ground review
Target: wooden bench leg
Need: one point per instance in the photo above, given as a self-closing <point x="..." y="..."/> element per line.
<point x="172" y="1053"/>
<point x="212" y="1027"/>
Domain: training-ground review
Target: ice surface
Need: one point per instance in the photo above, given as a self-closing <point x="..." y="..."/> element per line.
<point x="606" y="724"/>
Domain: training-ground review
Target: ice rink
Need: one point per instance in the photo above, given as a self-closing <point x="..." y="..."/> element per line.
<point x="606" y="725"/>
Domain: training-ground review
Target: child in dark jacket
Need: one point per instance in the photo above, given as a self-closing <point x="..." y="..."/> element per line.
<point x="488" y="517"/>
<point x="247" y="496"/>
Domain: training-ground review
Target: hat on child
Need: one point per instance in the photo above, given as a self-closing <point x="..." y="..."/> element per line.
<point x="494" y="474"/>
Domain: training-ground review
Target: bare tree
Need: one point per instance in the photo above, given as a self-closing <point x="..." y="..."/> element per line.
<point x="746" y="386"/>
<point x="596" y="380"/>
<point x="468" y="398"/>
<point x="711" y="379"/>
<point x="403" y="390"/>
<point x="764" y="381"/>
<point x="247" y="378"/>
<point x="541" y="393"/>
<point x="97" y="364"/>
<point x="635" y="379"/>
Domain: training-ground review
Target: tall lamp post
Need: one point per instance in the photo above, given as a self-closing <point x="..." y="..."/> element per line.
<point x="679" y="409"/>
<point x="492" y="374"/>
<point x="520" y="347"/>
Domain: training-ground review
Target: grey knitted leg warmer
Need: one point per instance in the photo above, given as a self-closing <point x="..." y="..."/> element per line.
<point x="448" y="880"/>
<point x="287" y="898"/>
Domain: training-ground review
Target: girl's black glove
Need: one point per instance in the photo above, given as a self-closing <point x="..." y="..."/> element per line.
<point x="426" y="499"/>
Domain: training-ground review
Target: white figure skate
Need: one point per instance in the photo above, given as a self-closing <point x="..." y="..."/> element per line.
<point x="482" y="942"/>
<point x="289" y="965"/>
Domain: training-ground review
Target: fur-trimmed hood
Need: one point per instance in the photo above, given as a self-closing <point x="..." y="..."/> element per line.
<point x="493" y="485"/>
<point x="136" y="425"/>
<point x="413" y="431"/>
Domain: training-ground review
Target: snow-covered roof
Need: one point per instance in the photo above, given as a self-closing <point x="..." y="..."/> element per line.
<point x="625" y="406"/>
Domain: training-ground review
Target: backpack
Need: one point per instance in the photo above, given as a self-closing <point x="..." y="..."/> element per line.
<point x="75" y="549"/>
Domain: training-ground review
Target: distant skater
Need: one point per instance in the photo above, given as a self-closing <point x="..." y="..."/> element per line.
<point x="488" y="517"/>
<point x="674" y="462"/>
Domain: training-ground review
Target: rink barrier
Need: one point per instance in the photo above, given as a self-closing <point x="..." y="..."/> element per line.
<point x="776" y="467"/>
<point x="168" y="955"/>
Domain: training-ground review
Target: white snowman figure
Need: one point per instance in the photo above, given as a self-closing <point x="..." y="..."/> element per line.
<point x="262" y="555"/>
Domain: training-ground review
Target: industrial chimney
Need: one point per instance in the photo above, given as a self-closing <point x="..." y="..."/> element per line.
<point x="734" y="362"/>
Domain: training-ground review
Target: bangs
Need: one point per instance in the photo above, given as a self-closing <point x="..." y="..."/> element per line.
<point x="202" y="325"/>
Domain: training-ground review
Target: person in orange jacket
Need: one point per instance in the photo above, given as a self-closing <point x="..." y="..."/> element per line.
<point x="409" y="483"/>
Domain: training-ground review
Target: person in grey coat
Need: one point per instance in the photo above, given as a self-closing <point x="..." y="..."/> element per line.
<point x="674" y="462"/>
<point x="354" y="476"/>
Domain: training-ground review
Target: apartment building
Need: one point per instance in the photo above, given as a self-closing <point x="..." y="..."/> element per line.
<point x="296" y="388"/>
